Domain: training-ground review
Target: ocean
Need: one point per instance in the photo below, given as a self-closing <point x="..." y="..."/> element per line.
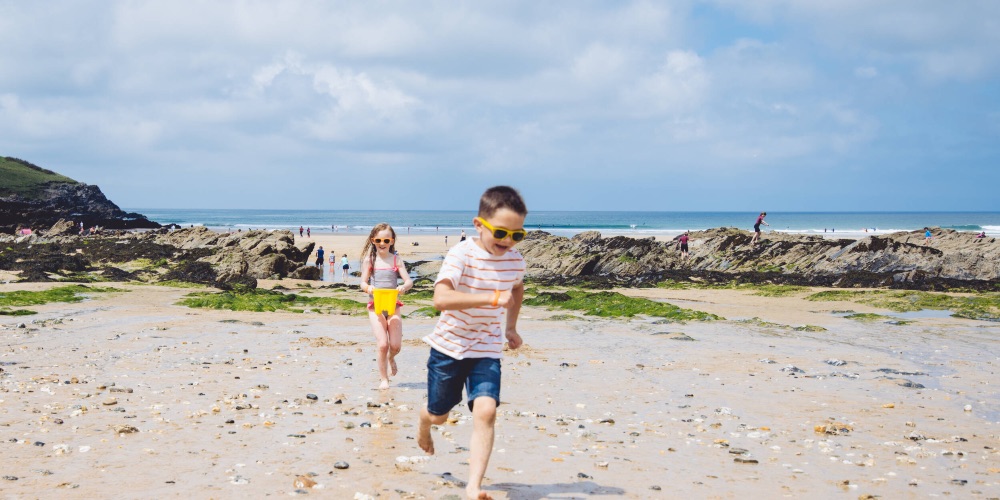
<point x="567" y="223"/>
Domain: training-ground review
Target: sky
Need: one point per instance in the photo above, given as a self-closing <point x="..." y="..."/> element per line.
<point x="714" y="105"/>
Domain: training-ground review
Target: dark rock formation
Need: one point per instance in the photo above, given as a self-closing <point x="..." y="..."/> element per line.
<point x="73" y="202"/>
<point x="195" y="255"/>
<point x="900" y="260"/>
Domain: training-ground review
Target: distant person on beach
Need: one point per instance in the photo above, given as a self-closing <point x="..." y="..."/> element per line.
<point x="481" y="280"/>
<point x="319" y="257"/>
<point x="682" y="243"/>
<point x="300" y="231"/>
<point x="333" y="264"/>
<point x="309" y="232"/>
<point x="927" y="235"/>
<point x="981" y="235"/>
<point x="346" y="266"/>
<point x="446" y="240"/>
<point x="461" y="237"/>
<point x="756" y="228"/>
<point x="381" y="268"/>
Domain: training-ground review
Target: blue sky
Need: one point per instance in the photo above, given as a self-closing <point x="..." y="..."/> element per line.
<point x="777" y="105"/>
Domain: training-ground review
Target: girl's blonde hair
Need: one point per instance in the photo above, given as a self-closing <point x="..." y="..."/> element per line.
<point x="370" y="250"/>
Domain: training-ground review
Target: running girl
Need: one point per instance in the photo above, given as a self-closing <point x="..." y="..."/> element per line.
<point x="381" y="268"/>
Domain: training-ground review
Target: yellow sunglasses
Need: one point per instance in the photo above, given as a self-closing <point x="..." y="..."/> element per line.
<point x="502" y="232"/>
<point x="382" y="240"/>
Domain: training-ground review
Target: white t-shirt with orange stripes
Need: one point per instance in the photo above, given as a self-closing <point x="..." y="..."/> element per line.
<point x="476" y="332"/>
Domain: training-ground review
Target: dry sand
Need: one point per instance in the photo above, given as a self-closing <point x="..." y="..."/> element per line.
<point x="128" y="395"/>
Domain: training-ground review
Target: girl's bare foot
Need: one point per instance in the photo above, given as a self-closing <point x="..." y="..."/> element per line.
<point x="392" y="366"/>
<point x="477" y="493"/>
<point x="384" y="384"/>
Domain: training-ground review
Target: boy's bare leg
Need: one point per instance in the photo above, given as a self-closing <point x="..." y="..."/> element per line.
<point x="484" y="413"/>
<point x="424" y="439"/>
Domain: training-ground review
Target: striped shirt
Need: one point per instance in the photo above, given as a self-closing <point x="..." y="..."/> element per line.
<point x="476" y="332"/>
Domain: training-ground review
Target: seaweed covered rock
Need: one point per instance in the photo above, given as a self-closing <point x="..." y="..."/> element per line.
<point x="900" y="260"/>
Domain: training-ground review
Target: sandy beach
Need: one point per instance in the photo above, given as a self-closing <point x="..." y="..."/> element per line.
<point x="128" y="394"/>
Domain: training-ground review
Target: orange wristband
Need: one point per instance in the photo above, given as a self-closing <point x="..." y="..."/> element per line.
<point x="496" y="298"/>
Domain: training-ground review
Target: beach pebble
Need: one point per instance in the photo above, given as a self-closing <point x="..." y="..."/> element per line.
<point x="341" y="465"/>
<point x="835" y="362"/>
<point x="312" y="397"/>
<point x="792" y="369"/>
<point x="110" y="402"/>
<point x="581" y="475"/>
<point x="124" y="429"/>
<point x="968" y="408"/>
<point x="303" y="482"/>
<point x="239" y="480"/>
<point x="741" y="460"/>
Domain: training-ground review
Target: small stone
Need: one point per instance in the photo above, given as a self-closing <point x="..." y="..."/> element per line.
<point x="11" y="478"/>
<point x="341" y="465"/>
<point x="959" y="482"/>
<point x="968" y="408"/>
<point x="300" y="436"/>
<point x="38" y="443"/>
<point x="125" y="429"/>
<point x="583" y="476"/>
<point x="303" y="482"/>
<point x="110" y="402"/>
<point x="610" y="421"/>
<point x="741" y="460"/>
<point x="366" y="424"/>
<point x="312" y="397"/>
<point x="348" y="425"/>
<point x="655" y="488"/>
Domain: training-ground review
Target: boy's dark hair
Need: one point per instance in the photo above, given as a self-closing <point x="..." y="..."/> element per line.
<point x="498" y="197"/>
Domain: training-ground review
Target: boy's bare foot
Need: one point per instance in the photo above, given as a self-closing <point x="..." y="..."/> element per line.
<point x="477" y="493"/>
<point x="384" y="384"/>
<point x="392" y="366"/>
<point x="424" y="439"/>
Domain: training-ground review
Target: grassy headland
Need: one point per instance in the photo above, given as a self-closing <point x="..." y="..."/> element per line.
<point x="25" y="179"/>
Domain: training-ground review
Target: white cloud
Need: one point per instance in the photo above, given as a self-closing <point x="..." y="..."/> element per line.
<point x="678" y="85"/>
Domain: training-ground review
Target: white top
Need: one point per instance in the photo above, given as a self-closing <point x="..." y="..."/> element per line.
<point x="476" y="332"/>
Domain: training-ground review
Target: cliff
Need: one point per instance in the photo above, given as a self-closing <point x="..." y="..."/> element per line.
<point x="33" y="197"/>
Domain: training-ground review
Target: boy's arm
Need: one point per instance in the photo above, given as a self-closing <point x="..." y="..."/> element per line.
<point x="446" y="298"/>
<point x="513" y="310"/>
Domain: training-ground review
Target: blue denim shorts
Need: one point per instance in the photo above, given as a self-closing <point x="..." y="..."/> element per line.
<point x="446" y="376"/>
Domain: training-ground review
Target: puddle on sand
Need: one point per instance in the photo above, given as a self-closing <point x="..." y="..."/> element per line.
<point x="923" y="313"/>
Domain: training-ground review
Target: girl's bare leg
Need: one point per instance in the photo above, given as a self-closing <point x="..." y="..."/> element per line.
<point x="379" y="328"/>
<point x="395" y="336"/>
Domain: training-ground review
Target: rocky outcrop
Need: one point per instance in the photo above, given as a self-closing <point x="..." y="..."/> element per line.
<point x="900" y="260"/>
<point x="195" y="254"/>
<point x="72" y="202"/>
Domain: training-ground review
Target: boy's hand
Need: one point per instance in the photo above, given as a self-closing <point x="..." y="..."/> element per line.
<point x="513" y="339"/>
<point x="504" y="298"/>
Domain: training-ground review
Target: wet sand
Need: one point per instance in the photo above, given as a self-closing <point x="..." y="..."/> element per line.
<point x="129" y="395"/>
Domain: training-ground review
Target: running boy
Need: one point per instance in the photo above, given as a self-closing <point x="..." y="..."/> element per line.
<point x="480" y="278"/>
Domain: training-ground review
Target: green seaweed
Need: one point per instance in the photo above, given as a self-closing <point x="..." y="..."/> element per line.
<point x="72" y="293"/>
<point x="424" y="312"/>
<point x="982" y="306"/>
<point x="615" y="305"/>
<point x="267" y="301"/>
<point x="809" y="328"/>
<point x="766" y="290"/>
<point x="759" y="322"/>
<point x="868" y="317"/>
<point x="419" y="295"/>
<point x="16" y="312"/>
